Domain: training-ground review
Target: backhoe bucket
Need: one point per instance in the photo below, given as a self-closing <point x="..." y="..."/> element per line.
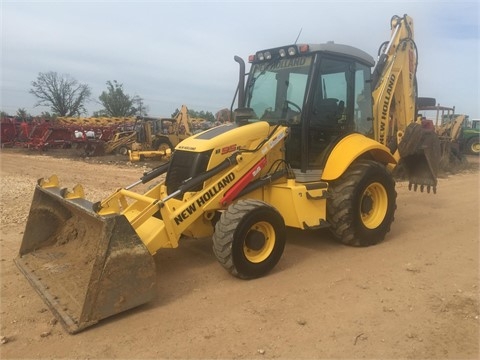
<point x="85" y="267"/>
<point x="420" y="157"/>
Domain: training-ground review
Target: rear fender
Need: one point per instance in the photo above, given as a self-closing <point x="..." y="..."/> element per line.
<point x="349" y="149"/>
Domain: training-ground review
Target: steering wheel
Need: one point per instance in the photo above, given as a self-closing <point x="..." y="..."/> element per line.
<point x="288" y="102"/>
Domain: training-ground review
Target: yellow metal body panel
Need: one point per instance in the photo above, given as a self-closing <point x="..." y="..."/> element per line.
<point x="135" y="155"/>
<point x="300" y="208"/>
<point x="350" y="148"/>
<point x="245" y="137"/>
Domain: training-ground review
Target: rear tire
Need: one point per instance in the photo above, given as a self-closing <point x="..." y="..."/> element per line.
<point x="249" y="239"/>
<point x="122" y="150"/>
<point x="473" y="146"/>
<point x="363" y="204"/>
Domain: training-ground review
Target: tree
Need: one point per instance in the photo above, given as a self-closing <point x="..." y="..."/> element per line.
<point x="3" y="115"/>
<point x="65" y="95"/>
<point x="142" y="109"/>
<point x="22" y="114"/>
<point x="117" y="103"/>
<point x="46" y="115"/>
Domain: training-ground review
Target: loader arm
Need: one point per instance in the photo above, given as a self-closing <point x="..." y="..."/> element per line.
<point x="160" y="218"/>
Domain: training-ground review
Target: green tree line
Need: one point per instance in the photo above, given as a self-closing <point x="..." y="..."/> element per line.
<point x="65" y="96"/>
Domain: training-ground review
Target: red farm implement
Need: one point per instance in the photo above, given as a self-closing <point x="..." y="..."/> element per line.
<point x="90" y="135"/>
<point x="8" y="132"/>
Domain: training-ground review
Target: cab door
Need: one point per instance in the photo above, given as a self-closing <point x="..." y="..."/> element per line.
<point x="336" y="105"/>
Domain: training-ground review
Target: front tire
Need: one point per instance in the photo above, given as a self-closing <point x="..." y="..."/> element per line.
<point x="249" y="239"/>
<point x="162" y="144"/>
<point x="363" y="204"/>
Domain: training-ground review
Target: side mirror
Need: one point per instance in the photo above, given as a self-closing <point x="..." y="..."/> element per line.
<point x="242" y="115"/>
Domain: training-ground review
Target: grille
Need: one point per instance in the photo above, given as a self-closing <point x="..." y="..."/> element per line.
<point x="185" y="165"/>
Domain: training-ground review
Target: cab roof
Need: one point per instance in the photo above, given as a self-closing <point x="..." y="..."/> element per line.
<point x="341" y="49"/>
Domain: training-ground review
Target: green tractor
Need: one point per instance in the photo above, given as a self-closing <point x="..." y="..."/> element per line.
<point x="458" y="133"/>
<point x="470" y="137"/>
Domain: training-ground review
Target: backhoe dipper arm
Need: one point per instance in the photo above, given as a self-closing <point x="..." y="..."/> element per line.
<point x="394" y="84"/>
<point x="394" y="97"/>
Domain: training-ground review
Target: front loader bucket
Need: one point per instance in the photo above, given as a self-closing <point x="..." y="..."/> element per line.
<point x="85" y="267"/>
<point x="420" y="156"/>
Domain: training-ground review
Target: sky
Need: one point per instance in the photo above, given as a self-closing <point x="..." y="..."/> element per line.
<point x="181" y="52"/>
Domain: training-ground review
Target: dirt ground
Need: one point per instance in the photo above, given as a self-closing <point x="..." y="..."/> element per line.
<point x="415" y="295"/>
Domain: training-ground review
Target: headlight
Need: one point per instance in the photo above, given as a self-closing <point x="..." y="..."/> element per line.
<point x="282" y="53"/>
<point x="292" y="51"/>
<point x="260" y="56"/>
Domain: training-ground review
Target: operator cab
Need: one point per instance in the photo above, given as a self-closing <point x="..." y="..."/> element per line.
<point x="322" y="92"/>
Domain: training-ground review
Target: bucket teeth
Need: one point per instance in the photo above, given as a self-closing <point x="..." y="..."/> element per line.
<point x="51" y="182"/>
<point x="76" y="193"/>
<point x="422" y="187"/>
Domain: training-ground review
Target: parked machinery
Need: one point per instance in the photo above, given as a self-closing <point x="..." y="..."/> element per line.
<point x="162" y="136"/>
<point x="315" y="138"/>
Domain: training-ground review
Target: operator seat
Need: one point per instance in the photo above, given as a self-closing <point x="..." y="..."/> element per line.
<point x="326" y="113"/>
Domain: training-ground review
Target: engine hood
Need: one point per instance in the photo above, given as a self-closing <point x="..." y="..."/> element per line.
<point x="227" y="138"/>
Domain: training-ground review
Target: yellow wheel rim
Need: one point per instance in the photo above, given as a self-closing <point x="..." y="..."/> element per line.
<point x="163" y="147"/>
<point x="373" y="205"/>
<point x="259" y="242"/>
<point x="475" y="148"/>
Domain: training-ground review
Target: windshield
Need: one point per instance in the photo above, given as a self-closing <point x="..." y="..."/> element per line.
<point x="276" y="89"/>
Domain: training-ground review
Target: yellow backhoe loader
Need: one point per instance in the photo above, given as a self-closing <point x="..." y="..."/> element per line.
<point x="171" y="133"/>
<point x="315" y="138"/>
